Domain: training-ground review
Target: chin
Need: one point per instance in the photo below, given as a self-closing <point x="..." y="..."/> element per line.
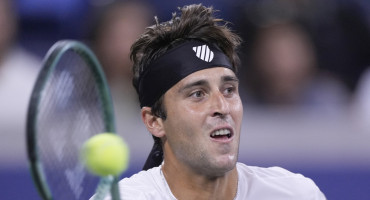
<point x="222" y="167"/>
<point x="222" y="171"/>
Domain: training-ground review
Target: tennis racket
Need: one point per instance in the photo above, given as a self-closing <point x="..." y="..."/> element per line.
<point x="70" y="103"/>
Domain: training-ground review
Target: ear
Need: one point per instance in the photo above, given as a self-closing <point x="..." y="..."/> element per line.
<point x="153" y="124"/>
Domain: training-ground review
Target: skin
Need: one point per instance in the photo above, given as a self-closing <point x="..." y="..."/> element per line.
<point x="196" y="165"/>
<point x="119" y="29"/>
<point x="286" y="62"/>
<point x="8" y="27"/>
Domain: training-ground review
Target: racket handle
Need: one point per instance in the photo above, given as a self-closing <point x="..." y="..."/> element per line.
<point x="115" y="190"/>
<point x="104" y="187"/>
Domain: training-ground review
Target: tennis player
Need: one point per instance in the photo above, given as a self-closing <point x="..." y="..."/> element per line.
<point x="185" y="76"/>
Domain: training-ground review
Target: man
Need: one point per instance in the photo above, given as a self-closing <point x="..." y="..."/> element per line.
<point x="184" y="73"/>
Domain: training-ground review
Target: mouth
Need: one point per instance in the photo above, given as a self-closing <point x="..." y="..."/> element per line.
<point x="222" y="134"/>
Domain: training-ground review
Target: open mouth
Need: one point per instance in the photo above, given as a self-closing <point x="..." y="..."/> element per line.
<point x="221" y="134"/>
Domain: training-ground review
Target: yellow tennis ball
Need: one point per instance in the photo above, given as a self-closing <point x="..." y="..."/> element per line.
<point x="105" y="154"/>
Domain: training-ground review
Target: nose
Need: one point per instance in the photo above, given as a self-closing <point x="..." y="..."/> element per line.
<point x="220" y="105"/>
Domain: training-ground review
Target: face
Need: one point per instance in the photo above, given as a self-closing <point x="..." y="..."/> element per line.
<point x="7" y="24"/>
<point x="120" y="28"/>
<point x="204" y="114"/>
<point x="285" y="57"/>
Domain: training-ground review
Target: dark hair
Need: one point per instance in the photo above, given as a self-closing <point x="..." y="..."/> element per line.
<point x="196" y="22"/>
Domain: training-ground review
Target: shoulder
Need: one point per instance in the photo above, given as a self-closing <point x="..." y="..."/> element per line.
<point x="276" y="181"/>
<point x="143" y="185"/>
<point x="269" y="172"/>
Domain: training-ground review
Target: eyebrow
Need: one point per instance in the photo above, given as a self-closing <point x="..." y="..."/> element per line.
<point x="225" y="78"/>
<point x="228" y="78"/>
<point x="193" y="84"/>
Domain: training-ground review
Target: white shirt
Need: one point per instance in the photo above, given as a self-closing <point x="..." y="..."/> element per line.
<point x="254" y="183"/>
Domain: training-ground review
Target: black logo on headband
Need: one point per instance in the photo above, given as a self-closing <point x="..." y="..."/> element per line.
<point x="204" y="53"/>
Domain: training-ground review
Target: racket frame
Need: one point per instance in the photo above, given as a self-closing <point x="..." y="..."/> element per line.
<point x="49" y="64"/>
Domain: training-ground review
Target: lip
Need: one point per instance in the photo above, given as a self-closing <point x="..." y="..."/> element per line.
<point x="223" y="140"/>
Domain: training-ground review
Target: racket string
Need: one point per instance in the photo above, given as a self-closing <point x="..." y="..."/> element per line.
<point x="71" y="111"/>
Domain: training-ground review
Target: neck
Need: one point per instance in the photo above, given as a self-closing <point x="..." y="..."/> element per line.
<point x="185" y="184"/>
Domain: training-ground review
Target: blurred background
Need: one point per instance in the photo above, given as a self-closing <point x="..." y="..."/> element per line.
<point x="305" y="81"/>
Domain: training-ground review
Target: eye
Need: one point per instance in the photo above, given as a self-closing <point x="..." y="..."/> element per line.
<point x="197" y="94"/>
<point x="229" y="90"/>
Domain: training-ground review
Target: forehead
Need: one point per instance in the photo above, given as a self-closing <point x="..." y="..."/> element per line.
<point x="215" y="74"/>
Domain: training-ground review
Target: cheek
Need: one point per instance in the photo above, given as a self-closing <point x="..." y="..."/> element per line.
<point x="178" y="121"/>
<point x="189" y="113"/>
<point x="180" y="136"/>
<point x="237" y="110"/>
<point x="237" y="105"/>
<point x="195" y="112"/>
<point x="183" y="124"/>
